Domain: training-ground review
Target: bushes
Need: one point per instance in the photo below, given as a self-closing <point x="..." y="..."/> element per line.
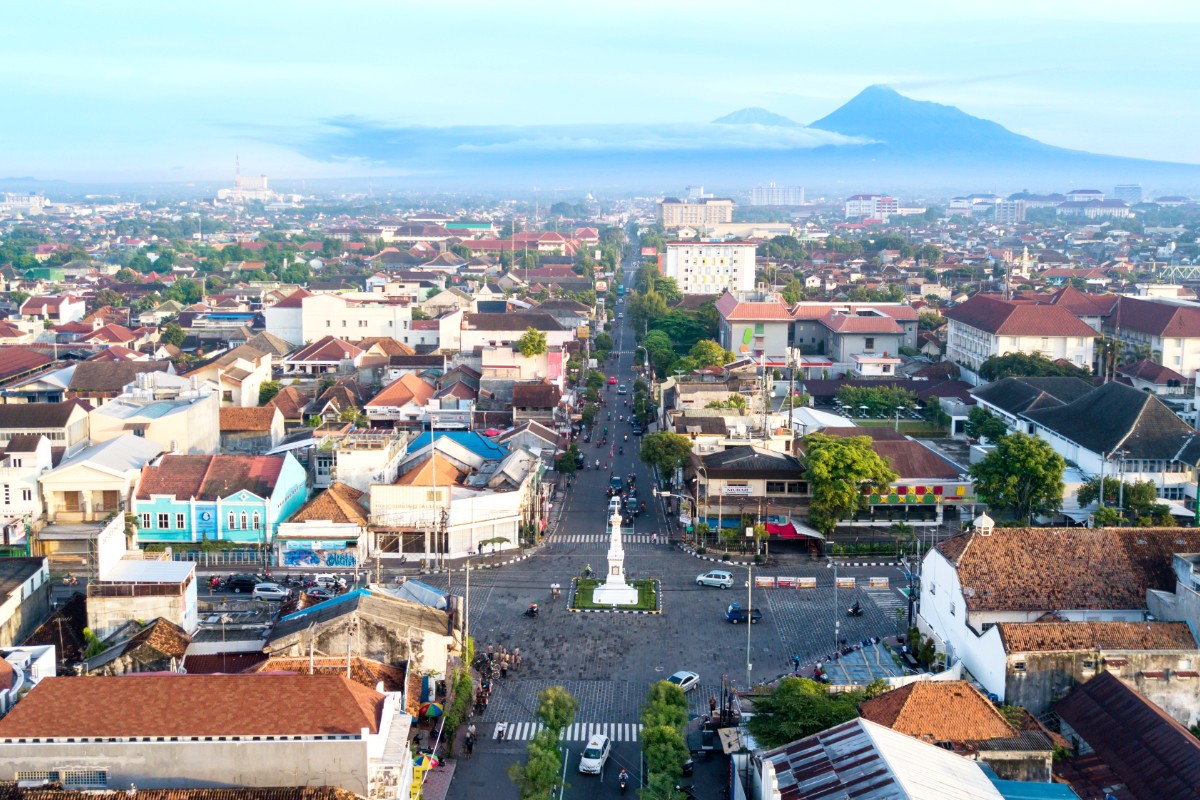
<point x="663" y="718"/>
<point x="463" y="687"/>
<point x="541" y="774"/>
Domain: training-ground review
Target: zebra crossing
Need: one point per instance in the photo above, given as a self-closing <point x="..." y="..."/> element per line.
<point x="579" y="732"/>
<point x="887" y="600"/>
<point x="600" y="538"/>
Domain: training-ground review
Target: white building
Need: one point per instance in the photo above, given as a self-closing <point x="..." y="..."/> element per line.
<point x="351" y="316"/>
<point x="701" y="267"/>
<point x="987" y="326"/>
<point x="872" y="206"/>
<point x="178" y="414"/>
<point x="26" y="458"/>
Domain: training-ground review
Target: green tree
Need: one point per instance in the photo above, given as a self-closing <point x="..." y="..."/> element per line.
<point x="605" y="342"/>
<point x="419" y="313"/>
<point x="799" y="707"/>
<point x="107" y="297"/>
<point x="173" y="334"/>
<point x="934" y="414"/>
<point x="267" y="390"/>
<point x="880" y="401"/>
<point x="665" y="450"/>
<point x="645" y="307"/>
<point x="533" y="343"/>
<point x="1028" y="365"/>
<point x="186" y="291"/>
<point x="18" y="297"/>
<point x="666" y="705"/>
<point x="556" y="709"/>
<point x="838" y="469"/>
<point x="539" y="777"/>
<point x="665" y="749"/>
<point x="668" y="289"/>
<point x="708" y="353"/>
<point x="595" y="380"/>
<point x="733" y="401"/>
<point x="661" y="351"/>
<point x="1023" y="476"/>
<point x="930" y="321"/>
<point x="565" y="463"/>
<point x="981" y="424"/>
<point x="125" y="275"/>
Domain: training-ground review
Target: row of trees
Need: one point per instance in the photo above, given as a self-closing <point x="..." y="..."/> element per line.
<point x="663" y="718"/>
<point x="879" y="401"/>
<point x="541" y="774"/>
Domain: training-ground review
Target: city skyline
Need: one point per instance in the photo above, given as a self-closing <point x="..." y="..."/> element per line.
<point x="302" y="91"/>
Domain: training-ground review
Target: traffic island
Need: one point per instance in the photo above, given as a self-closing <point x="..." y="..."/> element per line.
<point x="649" y="597"/>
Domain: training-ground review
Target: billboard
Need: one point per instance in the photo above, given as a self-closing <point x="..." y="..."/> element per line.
<point x="648" y="251"/>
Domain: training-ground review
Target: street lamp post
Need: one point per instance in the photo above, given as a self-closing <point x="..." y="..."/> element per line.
<point x="749" y="619"/>
<point x="898" y="410"/>
<point x="837" y="622"/>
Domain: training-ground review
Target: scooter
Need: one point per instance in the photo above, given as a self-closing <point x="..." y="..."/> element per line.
<point x="623" y="780"/>
<point x="532" y="611"/>
<point x="855" y="610"/>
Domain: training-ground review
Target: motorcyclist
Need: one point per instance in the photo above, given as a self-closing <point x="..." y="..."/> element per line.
<point x="597" y="463"/>
<point x="621" y="451"/>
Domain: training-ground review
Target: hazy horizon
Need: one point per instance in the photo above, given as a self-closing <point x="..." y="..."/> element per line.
<point x="375" y="89"/>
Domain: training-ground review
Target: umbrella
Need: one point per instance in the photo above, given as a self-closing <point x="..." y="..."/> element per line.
<point x="425" y="760"/>
<point x="491" y="432"/>
<point x="432" y="709"/>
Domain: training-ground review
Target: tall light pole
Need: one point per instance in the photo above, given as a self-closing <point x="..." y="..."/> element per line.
<point x="749" y="619"/>
<point x="837" y="622"/>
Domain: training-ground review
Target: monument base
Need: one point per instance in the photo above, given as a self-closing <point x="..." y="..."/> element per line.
<point x="619" y="594"/>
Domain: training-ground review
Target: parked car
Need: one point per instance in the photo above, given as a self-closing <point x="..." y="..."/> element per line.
<point x="271" y="591"/>
<point x="242" y="583"/>
<point x="595" y="754"/>
<point x="319" y="594"/>
<point x="716" y="577"/>
<point x="684" y="680"/>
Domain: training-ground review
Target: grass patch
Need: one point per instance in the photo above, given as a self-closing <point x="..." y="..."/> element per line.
<point x="646" y="589"/>
<point x="911" y="427"/>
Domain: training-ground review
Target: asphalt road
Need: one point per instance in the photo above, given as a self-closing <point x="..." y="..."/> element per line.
<point x="608" y="661"/>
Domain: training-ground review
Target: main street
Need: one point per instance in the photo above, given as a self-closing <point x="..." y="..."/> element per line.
<point x="608" y="661"/>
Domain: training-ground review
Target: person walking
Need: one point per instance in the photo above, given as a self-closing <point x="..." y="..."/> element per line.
<point x="470" y="745"/>
<point x="516" y="659"/>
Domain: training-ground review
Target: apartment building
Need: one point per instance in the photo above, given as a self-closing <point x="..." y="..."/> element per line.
<point x="987" y="326"/>
<point x="1168" y="333"/>
<point x="701" y="267"/>
<point x="700" y="213"/>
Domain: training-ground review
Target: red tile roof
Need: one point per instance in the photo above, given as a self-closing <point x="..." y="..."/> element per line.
<point x="1050" y="637"/>
<point x="408" y="388"/>
<point x="294" y="300"/>
<point x="194" y="705"/>
<point x="1004" y="318"/>
<point x="1156" y="319"/>
<point x="327" y="348"/>
<point x="210" y="477"/>
<point x="236" y="419"/>
<point x="939" y="711"/>
<point x="339" y="503"/>
<point x="844" y="323"/>
<point x="1147" y="370"/>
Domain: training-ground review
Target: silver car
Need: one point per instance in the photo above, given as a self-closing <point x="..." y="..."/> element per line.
<point x="270" y="591"/>
<point x="716" y="577"/>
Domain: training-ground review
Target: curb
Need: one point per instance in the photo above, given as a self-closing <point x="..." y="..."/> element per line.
<point x="529" y="553"/>
<point x="716" y="559"/>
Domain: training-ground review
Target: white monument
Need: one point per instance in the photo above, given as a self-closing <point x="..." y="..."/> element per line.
<point x="615" y="591"/>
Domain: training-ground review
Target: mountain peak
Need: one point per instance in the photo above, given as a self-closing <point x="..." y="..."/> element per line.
<point x="882" y="114"/>
<point x="756" y="116"/>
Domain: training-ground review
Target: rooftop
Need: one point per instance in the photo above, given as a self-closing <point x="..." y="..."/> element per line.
<point x="938" y="711"/>
<point x="1047" y="637"/>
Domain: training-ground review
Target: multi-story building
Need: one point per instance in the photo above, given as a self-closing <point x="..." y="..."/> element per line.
<point x="697" y="213"/>
<point x="1167" y="333"/>
<point x="301" y="319"/>
<point x="180" y="415"/>
<point x="701" y="267"/>
<point x="755" y="324"/>
<point x="772" y="195"/>
<point x="1129" y="192"/>
<point x="1010" y="212"/>
<point x="873" y="206"/>
<point x="987" y="326"/>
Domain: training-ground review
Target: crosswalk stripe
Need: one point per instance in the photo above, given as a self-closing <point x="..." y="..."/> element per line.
<point x="577" y="732"/>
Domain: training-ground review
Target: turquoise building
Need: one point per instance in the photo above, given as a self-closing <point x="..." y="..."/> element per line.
<point x="236" y="498"/>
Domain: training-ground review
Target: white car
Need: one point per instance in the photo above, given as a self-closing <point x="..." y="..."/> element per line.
<point x="684" y="680"/>
<point x="328" y="581"/>
<point x="716" y="577"/>
<point x="595" y="754"/>
<point x="270" y="591"/>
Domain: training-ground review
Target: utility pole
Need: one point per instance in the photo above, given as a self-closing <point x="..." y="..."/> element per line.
<point x="749" y="619"/>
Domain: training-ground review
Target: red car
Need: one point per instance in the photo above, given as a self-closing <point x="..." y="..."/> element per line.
<point x="612" y="380"/>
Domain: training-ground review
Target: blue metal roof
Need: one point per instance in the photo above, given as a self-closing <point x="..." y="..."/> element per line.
<point x="1025" y="790"/>
<point x="475" y="442"/>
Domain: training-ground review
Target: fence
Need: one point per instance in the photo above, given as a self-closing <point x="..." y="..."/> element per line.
<point x="226" y="558"/>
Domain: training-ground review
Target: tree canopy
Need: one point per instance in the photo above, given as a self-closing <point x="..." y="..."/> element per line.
<point x="982" y="424"/>
<point x="1023" y="476"/>
<point x="1028" y="365"/>
<point x="1138" y="501"/>
<point x="799" y="707"/>
<point x="665" y="450"/>
<point x="881" y="401"/>
<point x="838" y="468"/>
<point x="532" y="343"/>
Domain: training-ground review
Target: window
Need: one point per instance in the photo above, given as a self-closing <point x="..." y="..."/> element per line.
<point x="179" y="521"/>
<point x="164" y="521"/>
<point x="243" y="520"/>
<point x="776" y="487"/>
<point x="870" y="344"/>
<point x="328" y="323"/>
<point x="27" y="494"/>
<point x="952" y="609"/>
<point x="7" y="493"/>
<point x="232" y="521"/>
<point x="227" y="396"/>
<point x="16" y="462"/>
<point x="145" y="521"/>
<point x="1018" y="666"/>
<point x="257" y="521"/>
<point x="78" y="779"/>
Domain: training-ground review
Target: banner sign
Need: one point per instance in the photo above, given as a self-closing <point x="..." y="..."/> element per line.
<point x="879" y="583"/>
<point x="845" y="583"/>
<point x="806" y="583"/>
<point x="764" y="583"/>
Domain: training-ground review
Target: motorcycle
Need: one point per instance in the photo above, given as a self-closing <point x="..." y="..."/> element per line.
<point x="623" y="780"/>
<point x="855" y="610"/>
<point x="532" y="612"/>
<point x="621" y="451"/>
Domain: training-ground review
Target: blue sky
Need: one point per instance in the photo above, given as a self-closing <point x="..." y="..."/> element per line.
<point x="174" y="91"/>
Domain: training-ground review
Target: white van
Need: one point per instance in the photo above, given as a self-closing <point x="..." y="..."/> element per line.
<point x="328" y="581"/>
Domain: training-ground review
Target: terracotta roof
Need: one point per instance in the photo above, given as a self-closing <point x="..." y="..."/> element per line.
<point x="408" y="388"/>
<point x="542" y="394"/>
<point x="423" y="473"/>
<point x="1082" y="304"/>
<point x="387" y="345"/>
<point x="1044" y="637"/>
<point x="17" y="359"/>
<point x="365" y="671"/>
<point x="235" y="419"/>
<point x="339" y="503"/>
<point x="291" y="402"/>
<point x="1151" y="753"/>
<point x="733" y="309"/>
<point x="1156" y="319"/>
<point x="194" y="705"/>
<point x="912" y="459"/>
<point x="209" y="793"/>
<point x="1147" y="370"/>
<point x="938" y="711"/>
<point x="210" y="477"/>
<point x="226" y="663"/>
<point x="7" y="675"/>
<point x="111" y="376"/>
<point x="111" y="333"/>
<point x="293" y="300"/>
<point x="1048" y="569"/>
<point x="327" y="348"/>
<point x="1004" y="318"/>
<point x="845" y="323"/>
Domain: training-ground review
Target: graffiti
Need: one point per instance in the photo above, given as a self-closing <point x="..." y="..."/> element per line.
<point x="319" y="558"/>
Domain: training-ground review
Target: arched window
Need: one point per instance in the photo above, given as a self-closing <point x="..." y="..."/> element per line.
<point x="243" y="520"/>
<point x="257" y="521"/>
<point x="232" y="521"/>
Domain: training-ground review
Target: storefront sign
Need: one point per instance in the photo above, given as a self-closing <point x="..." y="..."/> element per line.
<point x="740" y="491"/>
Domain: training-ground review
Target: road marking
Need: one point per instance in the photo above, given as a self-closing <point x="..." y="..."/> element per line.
<point x="578" y="732"/>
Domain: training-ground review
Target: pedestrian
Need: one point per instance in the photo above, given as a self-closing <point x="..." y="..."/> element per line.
<point x="490" y="651"/>
<point x="517" y="659"/>
<point x="470" y="745"/>
<point x="504" y="668"/>
<point x="471" y="730"/>
<point x="712" y="706"/>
